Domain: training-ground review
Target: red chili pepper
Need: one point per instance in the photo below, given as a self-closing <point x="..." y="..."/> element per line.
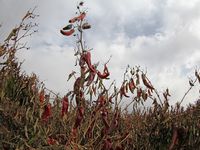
<point x="174" y="136"/>
<point x="145" y="96"/>
<point x="79" y="118"/>
<point x="86" y="26"/>
<point x="123" y="136"/>
<point x="113" y="124"/>
<point x="103" y="76"/>
<point x="107" y="145"/>
<point x="102" y="102"/>
<point x="149" y="92"/>
<point x="119" y="147"/>
<point x="123" y="90"/>
<point x="130" y="86"/>
<point x="110" y="100"/>
<point x="81" y="17"/>
<point x="73" y="20"/>
<point x="46" y="113"/>
<point x="65" y="106"/>
<point x="145" y="82"/>
<point x="67" y="33"/>
<point x="88" y="61"/>
<point x="104" y="118"/>
<point x="42" y="96"/>
<point x="91" y="76"/>
<point x="51" y="142"/>
<point x="77" y="84"/>
<point x="133" y="83"/>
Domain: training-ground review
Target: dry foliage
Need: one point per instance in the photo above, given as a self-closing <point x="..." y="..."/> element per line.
<point x="25" y="101"/>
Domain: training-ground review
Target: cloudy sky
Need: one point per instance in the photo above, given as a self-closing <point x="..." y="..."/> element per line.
<point x="163" y="37"/>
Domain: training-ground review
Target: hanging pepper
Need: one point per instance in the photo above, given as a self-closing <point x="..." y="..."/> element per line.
<point x="133" y="83"/>
<point x="130" y="87"/>
<point x="102" y="102"/>
<point x="103" y="76"/>
<point x="88" y="61"/>
<point x="119" y="147"/>
<point x="67" y="33"/>
<point x="65" y="106"/>
<point x="86" y="26"/>
<point x="81" y="17"/>
<point x="107" y="145"/>
<point x="123" y="91"/>
<point x="145" y="82"/>
<point x="104" y="118"/>
<point x="88" y="134"/>
<point x="42" y="96"/>
<point x="46" y="113"/>
<point x="113" y="124"/>
<point x="77" y="84"/>
<point x="91" y="76"/>
<point x="79" y="118"/>
<point x="73" y="20"/>
<point x="110" y="100"/>
<point x="51" y="142"/>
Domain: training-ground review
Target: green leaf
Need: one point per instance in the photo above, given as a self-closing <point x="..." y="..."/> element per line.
<point x="32" y="139"/>
<point x="68" y="27"/>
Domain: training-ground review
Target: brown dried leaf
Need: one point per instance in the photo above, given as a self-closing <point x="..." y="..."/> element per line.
<point x="70" y="75"/>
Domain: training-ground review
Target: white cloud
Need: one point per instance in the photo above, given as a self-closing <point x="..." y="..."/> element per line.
<point x="160" y="35"/>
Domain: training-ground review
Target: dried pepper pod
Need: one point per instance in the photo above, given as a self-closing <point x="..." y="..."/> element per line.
<point x="107" y="145"/>
<point x="86" y="26"/>
<point x="91" y="76"/>
<point x="110" y="100"/>
<point x="105" y="118"/>
<point x="81" y="17"/>
<point x="73" y="20"/>
<point x="130" y="86"/>
<point x="79" y="117"/>
<point x="113" y="124"/>
<point x="145" y="82"/>
<point x="123" y="91"/>
<point x="102" y="102"/>
<point x="104" y="75"/>
<point x="88" y="61"/>
<point x="174" y="135"/>
<point x="67" y="33"/>
<point x="47" y="112"/>
<point x="42" y="96"/>
<point x="119" y="147"/>
<point x="65" y="106"/>
<point x="77" y="84"/>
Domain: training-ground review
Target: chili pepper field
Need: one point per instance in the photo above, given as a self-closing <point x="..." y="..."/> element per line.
<point x="89" y="116"/>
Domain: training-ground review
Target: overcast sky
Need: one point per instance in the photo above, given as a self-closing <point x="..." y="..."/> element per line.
<point x="163" y="37"/>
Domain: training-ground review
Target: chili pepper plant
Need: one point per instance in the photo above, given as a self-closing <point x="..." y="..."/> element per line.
<point x="90" y="115"/>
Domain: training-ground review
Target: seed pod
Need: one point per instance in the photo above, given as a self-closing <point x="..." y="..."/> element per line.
<point x="81" y="17"/>
<point x="67" y="33"/>
<point x="65" y="106"/>
<point x="86" y="26"/>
